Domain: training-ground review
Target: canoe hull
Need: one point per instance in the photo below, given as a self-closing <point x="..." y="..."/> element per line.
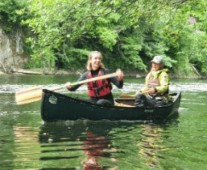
<point x="57" y="106"/>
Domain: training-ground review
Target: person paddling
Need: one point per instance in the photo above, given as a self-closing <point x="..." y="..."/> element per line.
<point x="156" y="89"/>
<point x="99" y="91"/>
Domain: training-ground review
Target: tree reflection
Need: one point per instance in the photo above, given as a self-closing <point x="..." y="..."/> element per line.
<point x="152" y="141"/>
<point x="150" y="144"/>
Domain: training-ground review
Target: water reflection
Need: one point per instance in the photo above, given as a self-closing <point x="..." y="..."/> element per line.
<point x="72" y="142"/>
<point x="93" y="146"/>
<point x="87" y="145"/>
<point x="27" y="148"/>
<point x="60" y="146"/>
<point x="150" y="144"/>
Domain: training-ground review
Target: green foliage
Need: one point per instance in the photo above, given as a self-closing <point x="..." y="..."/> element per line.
<point x="128" y="33"/>
<point x="8" y="14"/>
<point x="75" y="58"/>
<point x="107" y="37"/>
<point x="185" y="40"/>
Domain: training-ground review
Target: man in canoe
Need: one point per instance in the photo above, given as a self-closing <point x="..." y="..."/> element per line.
<point x="100" y="90"/>
<point x="156" y="89"/>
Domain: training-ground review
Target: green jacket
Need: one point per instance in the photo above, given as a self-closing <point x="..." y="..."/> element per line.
<point x="162" y="77"/>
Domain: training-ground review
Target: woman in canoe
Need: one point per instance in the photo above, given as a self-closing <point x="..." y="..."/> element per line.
<point x="100" y="90"/>
<point x="156" y="89"/>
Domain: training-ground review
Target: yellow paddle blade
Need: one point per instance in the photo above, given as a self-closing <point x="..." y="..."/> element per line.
<point x="28" y="101"/>
<point x="28" y="95"/>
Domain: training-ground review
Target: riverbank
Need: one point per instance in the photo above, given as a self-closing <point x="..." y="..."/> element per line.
<point x="63" y="72"/>
<point x="137" y="74"/>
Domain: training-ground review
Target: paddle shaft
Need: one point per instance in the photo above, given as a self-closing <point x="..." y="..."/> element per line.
<point x="33" y="94"/>
<point x="88" y="80"/>
<point x="133" y="95"/>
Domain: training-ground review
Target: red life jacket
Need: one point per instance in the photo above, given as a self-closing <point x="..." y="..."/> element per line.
<point x="98" y="88"/>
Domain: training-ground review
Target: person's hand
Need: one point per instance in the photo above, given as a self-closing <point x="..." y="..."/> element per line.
<point x="120" y="74"/>
<point x="68" y="85"/>
<point x="151" y="90"/>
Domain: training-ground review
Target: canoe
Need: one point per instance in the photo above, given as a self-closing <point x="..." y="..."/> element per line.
<point x="56" y="106"/>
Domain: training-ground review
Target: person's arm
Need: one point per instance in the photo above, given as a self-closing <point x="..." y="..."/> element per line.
<point x="73" y="88"/>
<point x="144" y="90"/>
<point x="117" y="81"/>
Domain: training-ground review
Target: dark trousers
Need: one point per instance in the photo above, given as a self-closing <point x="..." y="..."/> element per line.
<point x="107" y="100"/>
<point x="143" y="100"/>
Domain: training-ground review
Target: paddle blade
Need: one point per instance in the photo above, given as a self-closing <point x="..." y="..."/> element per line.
<point x="127" y="96"/>
<point x="119" y="104"/>
<point x="28" y="95"/>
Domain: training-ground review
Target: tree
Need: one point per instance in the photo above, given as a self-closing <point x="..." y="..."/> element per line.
<point x="65" y="31"/>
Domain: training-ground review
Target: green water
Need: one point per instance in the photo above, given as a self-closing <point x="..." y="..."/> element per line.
<point x="26" y="142"/>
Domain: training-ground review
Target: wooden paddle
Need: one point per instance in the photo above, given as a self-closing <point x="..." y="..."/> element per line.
<point x="132" y="95"/>
<point x="33" y="94"/>
<point x="127" y="95"/>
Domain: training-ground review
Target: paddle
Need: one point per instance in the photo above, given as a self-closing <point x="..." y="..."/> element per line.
<point x="127" y="95"/>
<point x="133" y="95"/>
<point x="33" y="94"/>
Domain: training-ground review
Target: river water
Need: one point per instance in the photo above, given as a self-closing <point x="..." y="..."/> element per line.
<point x="28" y="143"/>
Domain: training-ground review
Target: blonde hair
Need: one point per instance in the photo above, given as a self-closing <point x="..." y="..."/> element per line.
<point x="90" y="56"/>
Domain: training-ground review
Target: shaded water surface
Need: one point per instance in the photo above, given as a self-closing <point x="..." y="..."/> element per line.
<point x="26" y="142"/>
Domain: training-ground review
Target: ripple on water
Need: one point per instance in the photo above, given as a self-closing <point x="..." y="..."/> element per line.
<point x="128" y="87"/>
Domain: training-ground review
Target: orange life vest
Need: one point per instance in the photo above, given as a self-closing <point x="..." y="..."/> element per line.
<point x="98" y="88"/>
